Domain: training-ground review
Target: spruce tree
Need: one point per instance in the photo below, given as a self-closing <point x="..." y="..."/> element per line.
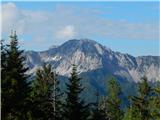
<point x="46" y="95"/>
<point x="97" y="113"/>
<point x="15" y="87"/>
<point x="131" y="114"/>
<point x="4" y="109"/>
<point x="111" y="104"/>
<point x="127" y="115"/>
<point x="154" y="103"/>
<point x="75" y="108"/>
<point x="140" y="103"/>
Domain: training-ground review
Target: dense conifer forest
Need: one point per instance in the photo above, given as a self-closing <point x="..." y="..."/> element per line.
<point x="42" y="98"/>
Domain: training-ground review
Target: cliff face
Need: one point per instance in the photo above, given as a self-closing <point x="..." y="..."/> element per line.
<point x="90" y="56"/>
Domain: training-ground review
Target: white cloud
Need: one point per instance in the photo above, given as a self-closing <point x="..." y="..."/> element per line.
<point x="65" y="23"/>
<point x="68" y="32"/>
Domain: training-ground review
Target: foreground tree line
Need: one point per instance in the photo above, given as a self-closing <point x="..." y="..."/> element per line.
<point x="42" y="98"/>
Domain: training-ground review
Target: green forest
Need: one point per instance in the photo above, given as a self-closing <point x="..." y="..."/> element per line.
<point x="42" y="99"/>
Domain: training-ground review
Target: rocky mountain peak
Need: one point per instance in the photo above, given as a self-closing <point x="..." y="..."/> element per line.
<point x="86" y="46"/>
<point x="90" y="56"/>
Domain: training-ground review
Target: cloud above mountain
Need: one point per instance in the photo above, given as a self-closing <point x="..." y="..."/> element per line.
<point x="66" y="32"/>
<point x="67" y="22"/>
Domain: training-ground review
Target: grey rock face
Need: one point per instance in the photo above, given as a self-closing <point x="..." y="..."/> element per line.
<point x="89" y="56"/>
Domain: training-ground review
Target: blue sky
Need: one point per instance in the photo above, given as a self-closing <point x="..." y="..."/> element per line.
<point x="128" y="27"/>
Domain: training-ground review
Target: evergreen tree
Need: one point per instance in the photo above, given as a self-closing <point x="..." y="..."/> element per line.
<point x="127" y="115"/>
<point x="75" y="108"/>
<point x="140" y="103"/>
<point x="4" y="109"/>
<point x="14" y="85"/>
<point x="3" y="82"/>
<point x="130" y="112"/>
<point x="97" y="113"/>
<point x="111" y="104"/>
<point x="46" y="95"/>
<point x="3" y="58"/>
<point x="154" y="103"/>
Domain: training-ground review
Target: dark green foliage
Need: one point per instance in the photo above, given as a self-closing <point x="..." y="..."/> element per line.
<point x="111" y="104"/>
<point x="14" y="85"/>
<point x="154" y="103"/>
<point x="46" y="95"/>
<point x="140" y="104"/>
<point x="75" y="108"/>
<point x="97" y="113"/>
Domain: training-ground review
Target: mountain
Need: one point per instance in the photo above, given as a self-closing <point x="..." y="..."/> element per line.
<point x="88" y="55"/>
<point x="95" y="63"/>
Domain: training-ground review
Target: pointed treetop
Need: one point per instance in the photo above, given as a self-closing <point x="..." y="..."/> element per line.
<point x="13" y="38"/>
<point x="15" y="35"/>
<point x="11" y="35"/>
